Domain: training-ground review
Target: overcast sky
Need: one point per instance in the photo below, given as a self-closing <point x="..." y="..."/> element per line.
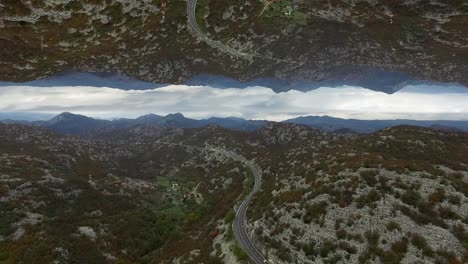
<point x="412" y="102"/>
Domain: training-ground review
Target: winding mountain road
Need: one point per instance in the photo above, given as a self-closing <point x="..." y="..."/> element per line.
<point x="200" y="34"/>
<point x="241" y="233"/>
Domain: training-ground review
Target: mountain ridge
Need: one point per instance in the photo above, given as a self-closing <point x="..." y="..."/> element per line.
<point x="75" y="124"/>
<point x="328" y="123"/>
<point x="70" y="123"/>
<point x="395" y="195"/>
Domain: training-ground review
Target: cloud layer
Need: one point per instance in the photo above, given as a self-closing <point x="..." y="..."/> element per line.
<point x="412" y="102"/>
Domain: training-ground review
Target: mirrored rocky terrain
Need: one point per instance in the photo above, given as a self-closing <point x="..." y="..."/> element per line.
<point x="374" y="43"/>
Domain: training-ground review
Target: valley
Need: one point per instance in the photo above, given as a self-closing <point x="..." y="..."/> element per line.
<point x="177" y="195"/>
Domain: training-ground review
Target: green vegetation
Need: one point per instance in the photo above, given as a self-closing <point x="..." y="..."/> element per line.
<point x="299" y="17"/>
<point x="368" y="199"/>
<point x="15" y="8"/>
<point x="147" y="230"/>
<point x="239" y="253"/>
<point x="411" y="197"/>
<point x="229" y="219"/>
<point x="315" y="211"/>
<point x="393" y="226"/>
<point x="163" y="181"/>
<point x="115" y="12"/>
<point x="8" y="216"/>
<point x="250" y="179"/>
<point x="285" y="11"/>
<point x="202" y="8"/>
<point x="309" y="249"/>
<point x="421" y="243"/>
<point x="327" y="248"/>
<point x="230" y="216"/>
<point x="249" y="182"/>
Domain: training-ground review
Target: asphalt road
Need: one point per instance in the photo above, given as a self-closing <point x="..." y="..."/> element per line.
<point x="198" y="32"/>
<point x="241" y="232"/>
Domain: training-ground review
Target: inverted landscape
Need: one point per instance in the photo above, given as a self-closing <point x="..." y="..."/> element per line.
<point x="257" y="131"/>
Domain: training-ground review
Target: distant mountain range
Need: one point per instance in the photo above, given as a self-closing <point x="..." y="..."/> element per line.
<point x="328" y="123"/>
<point x="73" y="124"/>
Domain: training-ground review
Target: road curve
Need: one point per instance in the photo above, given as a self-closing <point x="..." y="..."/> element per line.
<point x="198" y="32"/>
<point x="241" y="232"/>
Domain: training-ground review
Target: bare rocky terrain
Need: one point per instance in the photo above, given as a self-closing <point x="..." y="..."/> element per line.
<point x="344" y="40"/>
<point x="148" y="194"/>
<point x="397" y="196"/>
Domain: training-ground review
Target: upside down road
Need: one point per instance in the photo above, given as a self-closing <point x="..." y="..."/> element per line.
<point x="198" y="33"/>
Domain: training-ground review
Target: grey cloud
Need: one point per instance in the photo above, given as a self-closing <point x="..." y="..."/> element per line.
<point x="411" y="102"/>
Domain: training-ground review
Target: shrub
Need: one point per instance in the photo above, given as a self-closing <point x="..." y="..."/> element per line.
<point x="315" y="211"/>
<point x="369" y="177"/>
<point x="438" y="196"/>
<point x="454" y="199"/>
<point x="411" y="197"/>
<point x="230" y="215"/>
<point x="449" y="256"/>
<point x="447" y="213"/>
<point x="356" y="237"/>
<point x="365" y="256"/>
<point x="368" y="199"/>
<point x="389" y="257"/>
<point x="384" y="187"/>
<point x="392" y="225"/>
<point x="460" y="233"/>
<point x="343" y="245"/>
<point x="341" y="233"/>
<point x="327" y="247"/>
<point x="239" y="253"/>
<point x="290" y="197"/>
<point x="372" y="237"/>
<point x="334" y="259"/>
<point x="400" y="247"/>
<point x="283" y="254"/>
<point x="309" y="249"/>
<point x="338" y="223"/>
<point x="421" y="243"/>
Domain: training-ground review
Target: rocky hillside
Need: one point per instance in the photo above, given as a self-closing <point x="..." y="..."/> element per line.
<point x="348" y="40"/>
<point x="398" y="196"/>
<point x="110" y="200"/>
<point x="162" y="195"/>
